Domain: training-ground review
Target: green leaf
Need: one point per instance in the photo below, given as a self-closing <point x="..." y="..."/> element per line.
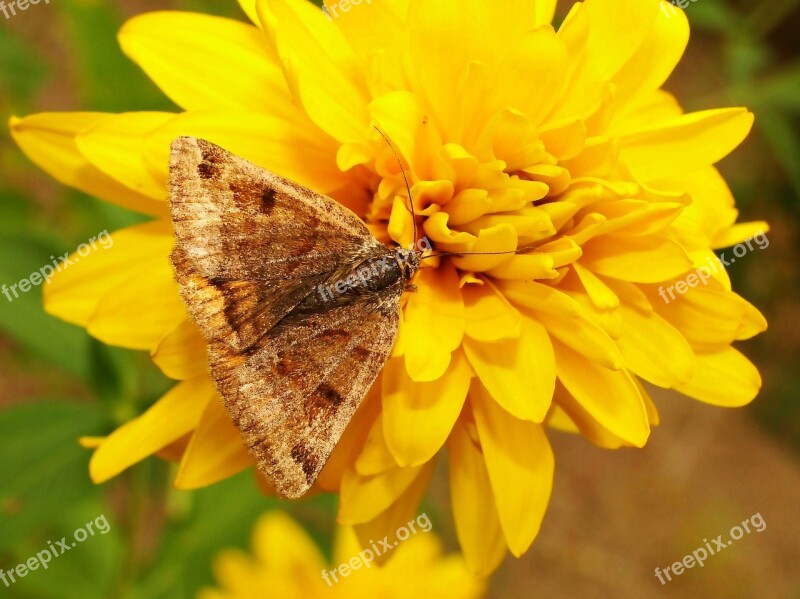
<point x="43" y="469"/>
<point x="22" y="315"/>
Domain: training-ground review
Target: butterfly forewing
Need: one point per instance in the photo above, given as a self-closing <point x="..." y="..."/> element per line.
<point x="252" y="252"/>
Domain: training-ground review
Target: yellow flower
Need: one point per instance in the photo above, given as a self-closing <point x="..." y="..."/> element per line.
<point x="286" y="564"/>
<point x="516" y="136"/>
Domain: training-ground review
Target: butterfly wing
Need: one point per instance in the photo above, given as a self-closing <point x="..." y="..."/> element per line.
<point x="251" y="247"/>
<point x="250" y="244"/>
<point x="295" y="391"/>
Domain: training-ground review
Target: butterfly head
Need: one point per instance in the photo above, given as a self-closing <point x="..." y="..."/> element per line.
<point x="408" y="261"/>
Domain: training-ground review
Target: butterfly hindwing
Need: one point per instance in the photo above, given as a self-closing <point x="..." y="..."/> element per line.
<point x="294" y="392"/>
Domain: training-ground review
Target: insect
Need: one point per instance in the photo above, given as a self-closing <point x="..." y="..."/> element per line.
<point x="292" y="364"/>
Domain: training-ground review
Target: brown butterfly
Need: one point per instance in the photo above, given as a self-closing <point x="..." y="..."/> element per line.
<point x="299" y="304"/>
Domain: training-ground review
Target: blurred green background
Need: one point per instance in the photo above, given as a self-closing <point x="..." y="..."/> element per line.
<point x="57" y="384"/>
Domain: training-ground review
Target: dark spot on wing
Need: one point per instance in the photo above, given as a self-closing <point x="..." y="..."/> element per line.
<point x="206" y="170"/>
<point x="282" y="367"/>
<point x="308" y="462"/>
<point x="267" y="200"/>
<point x="329" y="393"/>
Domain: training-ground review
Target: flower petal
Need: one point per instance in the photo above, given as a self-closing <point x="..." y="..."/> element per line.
<point x="324" y="75"/>
<point x="692" y="141"/>
<point x="216" y="451"/>
<point x="171" y="417"/>
<point x="650" y="66"/>
<point x="654" y="349"/>
<point x="723" y="378"/>
<point x="182" y="353"/>
<point x="489" y="315"/>
<point x="521" y="465"/>
<point x="434" y="323"/>
<point x="74" y="293"/>
<point x="293" y="149"/>
<point x="610" y="397"/>
<point x="48" y="139"/>
<point x="428" y="409"/>
<point x="114" y="145"/>
<point x="363" y="498"/>
<point x="519" y="374"/>
<point x="284" y="547"/>
<point x="637" y="259"/>
<point x="159" y="308"/>
<point x="204" y="62"/>
<point x="474" y="509"/>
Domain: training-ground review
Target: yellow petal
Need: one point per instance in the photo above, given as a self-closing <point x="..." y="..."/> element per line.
<point x="545" y="9"/>
<point x="637" y="259"/>
<point x="449" y="37"/>
<point x="74" y="293"/>
<point x="519" y="374"/>
<point x="692" y="141"/>
<point x="723" y="378"/>
<point x="654" y="349"/>
<point x="114" y="145"/>
<point x="650" y="66"/>
<point x="534" y="62"/>
<point x="474" y="509"/>
<point x="216" y="451"/>
<point x="598" y="292"/>
<point x="520" y="463"/>
<point x="741" y="232"/>
<point x="490" y="316"/>
<point x="401" y="116"/>
<point x="610" y="397"/>
<point x="159" y="308"/>
<point x="397" y="514"/>
<point x="375" y="456"/>
<point x="377" y="35"/>
<point x="428" y="409"/>
<point x="295" y="150"/>
<point x="584" y="336"/>
<point x="284" y="547"/>
<point x="705" y="316"/>
<point x="574" y="416"/>
<point x="323" y="74"/>
<point x="171" y="417"/>
<point x="249" y="8"/>
<point x="617" y="30"/>
<point x="182" y="353"/>
<point x="48" y="139"/>
<point x="601" y="37"/>
<point x="363" y="498"/>
<point x="205" y="62"/>
<point x="540" y="297"/>
<point x="434" y="323"/>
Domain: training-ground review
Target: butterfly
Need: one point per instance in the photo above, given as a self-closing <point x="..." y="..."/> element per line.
<point x="298" y="302"/>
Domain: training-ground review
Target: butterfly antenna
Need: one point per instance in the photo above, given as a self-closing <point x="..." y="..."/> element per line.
<point x="521" y="250"/>
<point x="405" y="179"/>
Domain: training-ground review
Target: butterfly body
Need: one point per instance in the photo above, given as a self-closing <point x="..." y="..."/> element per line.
<point x="298" y="302"/>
